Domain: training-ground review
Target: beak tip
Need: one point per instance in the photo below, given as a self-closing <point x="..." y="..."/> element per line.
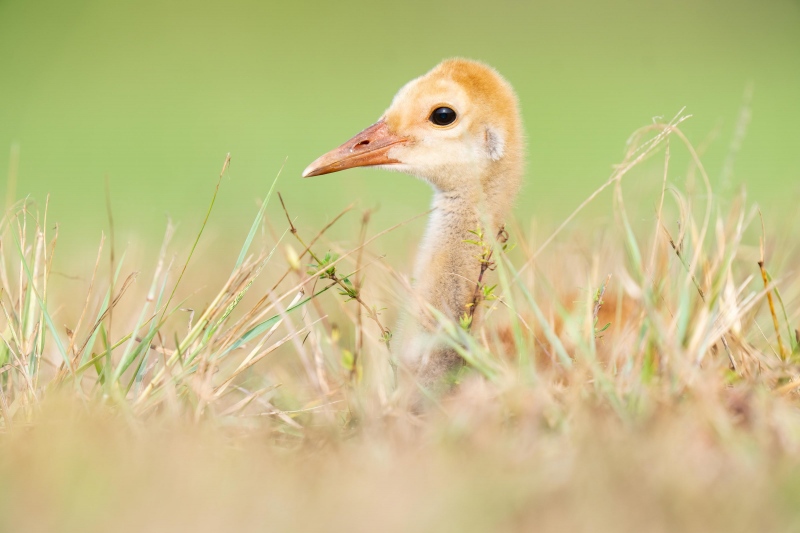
<point x="308" y="172"/>
<point x="367" y="149"/>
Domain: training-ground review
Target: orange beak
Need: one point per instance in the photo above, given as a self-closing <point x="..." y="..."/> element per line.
<point x="367" y="149"/>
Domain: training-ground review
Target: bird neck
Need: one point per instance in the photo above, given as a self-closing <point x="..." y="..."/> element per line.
<point x="447" y="267"/>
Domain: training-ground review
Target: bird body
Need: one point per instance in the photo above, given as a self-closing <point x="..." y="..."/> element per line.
<point x="458" y="128"/>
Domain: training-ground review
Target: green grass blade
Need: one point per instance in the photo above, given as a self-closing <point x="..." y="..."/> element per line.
<point x="87" y="350"/>
<point x="200" y="233"/>
<point x="43" y="306"/>
<point x="264" y="326"/>
<point x="257" y="222"/>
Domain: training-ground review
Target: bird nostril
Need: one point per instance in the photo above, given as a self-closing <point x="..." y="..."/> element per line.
<point x="362" y="143"/>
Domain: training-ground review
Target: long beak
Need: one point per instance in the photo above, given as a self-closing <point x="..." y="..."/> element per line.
<point x="368" y="148"/>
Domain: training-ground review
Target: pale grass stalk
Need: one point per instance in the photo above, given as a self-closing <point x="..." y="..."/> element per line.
<point x="260" y="355"/>
<point x="220" y="390"/>
<point x="77" y="328"/>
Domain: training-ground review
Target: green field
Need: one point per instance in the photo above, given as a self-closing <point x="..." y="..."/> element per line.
<point x="153" y="95"/>
<point x="635" y="368"/>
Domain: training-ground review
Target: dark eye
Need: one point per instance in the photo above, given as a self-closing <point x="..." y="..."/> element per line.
<point x="443" y="116"/>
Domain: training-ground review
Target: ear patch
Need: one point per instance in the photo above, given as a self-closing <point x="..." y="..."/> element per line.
<point x="495" y="144"/>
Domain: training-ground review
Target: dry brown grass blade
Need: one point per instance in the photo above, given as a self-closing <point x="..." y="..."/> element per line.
<point x="256" y="357"/>
<point x="71" y="346"/>
<point x="259" y="306"/>
<point x="598" y="302"/>
<point x="775" y="322"/>
<point x="644" y="151"/>
<point x="111" y="252"/>
<point x="125" y="286"/>
<point x="247" y="400"/>
<point x="357" y="286"/>
<point x="386" y="334"/>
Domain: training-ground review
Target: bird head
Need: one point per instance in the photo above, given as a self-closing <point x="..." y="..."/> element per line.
<point x="456" y="126"/>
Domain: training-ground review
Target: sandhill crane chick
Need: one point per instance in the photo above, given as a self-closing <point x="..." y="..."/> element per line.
<point x="458" y="128"/>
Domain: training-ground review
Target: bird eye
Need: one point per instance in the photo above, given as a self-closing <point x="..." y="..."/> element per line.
<point x="443" y="116"/>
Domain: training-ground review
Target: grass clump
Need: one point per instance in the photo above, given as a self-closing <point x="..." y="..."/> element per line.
<point x="635" y="374"/>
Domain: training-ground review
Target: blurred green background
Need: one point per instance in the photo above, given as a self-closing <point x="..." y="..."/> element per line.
<point x="153" y="94"/>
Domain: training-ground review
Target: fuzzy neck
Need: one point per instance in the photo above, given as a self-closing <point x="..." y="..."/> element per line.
<point x="447" y="267"/>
